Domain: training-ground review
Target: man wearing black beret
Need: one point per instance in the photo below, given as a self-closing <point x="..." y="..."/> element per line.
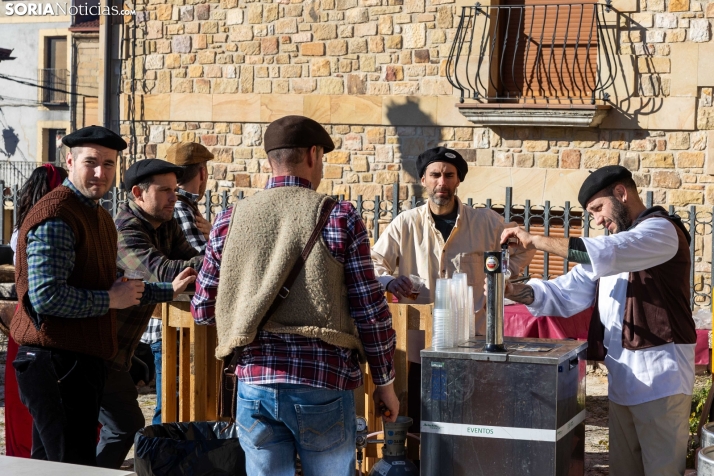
<point x="637" y="278"/>
<point x="69" y="293"/>
<point x="440" y="238"/>
<point x="298" y="369"/>
<point x="152" y="248"/>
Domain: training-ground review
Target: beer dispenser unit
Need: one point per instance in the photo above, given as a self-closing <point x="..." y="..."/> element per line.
<point x="491" y="406"/>
<point x="496" y="269"/>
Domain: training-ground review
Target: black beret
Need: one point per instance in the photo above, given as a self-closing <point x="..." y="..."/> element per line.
<point x="143" y="169"/>
<point x="95" y="135"/>
<point x="293" y="132"/>
<point x="601" y="179"/>
<point x="442" y="154"/>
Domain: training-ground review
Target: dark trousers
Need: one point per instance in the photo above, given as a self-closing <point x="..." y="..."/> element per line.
<point x="62" y="390"/>
<point x="120" y="416"/>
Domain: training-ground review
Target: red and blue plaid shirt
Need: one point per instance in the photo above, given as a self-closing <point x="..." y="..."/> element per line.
<point x="289" y="358"/>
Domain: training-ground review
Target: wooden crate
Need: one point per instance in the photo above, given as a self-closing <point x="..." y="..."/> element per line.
<point x="188" y="355"/>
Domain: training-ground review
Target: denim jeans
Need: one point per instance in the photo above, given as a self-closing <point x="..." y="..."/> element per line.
<point x="156" y="350"/>
<point x="279" y="420"/>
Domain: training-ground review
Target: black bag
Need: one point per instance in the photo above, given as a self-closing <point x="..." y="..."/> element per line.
<point x="189" y="449"/>
<point x="229" y="380"/>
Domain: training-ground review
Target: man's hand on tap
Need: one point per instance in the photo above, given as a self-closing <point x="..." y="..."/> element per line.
<point x="522" y="240"/>
<point x="518" y="237"/>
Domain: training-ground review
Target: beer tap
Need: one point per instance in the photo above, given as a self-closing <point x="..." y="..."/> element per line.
<point x="497" y="271"/>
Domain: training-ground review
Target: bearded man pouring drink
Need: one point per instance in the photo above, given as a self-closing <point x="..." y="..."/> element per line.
<point x="637" y="279"/>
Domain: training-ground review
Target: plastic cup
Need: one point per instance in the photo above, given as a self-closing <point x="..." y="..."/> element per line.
<point x="417" y="284"/>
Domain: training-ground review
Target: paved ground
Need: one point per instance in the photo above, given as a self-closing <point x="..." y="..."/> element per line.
<point x="596" y="424"/>
<point x="596" y="429"/>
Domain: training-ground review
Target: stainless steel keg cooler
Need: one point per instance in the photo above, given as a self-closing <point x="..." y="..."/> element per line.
<point x="496" y="407"/>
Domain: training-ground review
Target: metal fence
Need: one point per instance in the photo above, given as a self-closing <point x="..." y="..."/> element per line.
<point x="16" y="172"/>
<point x="546" y="219"/>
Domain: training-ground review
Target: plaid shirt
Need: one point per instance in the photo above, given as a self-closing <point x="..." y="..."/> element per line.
<point x="158" y="254"/>
<point x="152" y="334"/>
<point x="50" y="261"/>
<point x="185" y="214"/>
<point x="288" y="358"/>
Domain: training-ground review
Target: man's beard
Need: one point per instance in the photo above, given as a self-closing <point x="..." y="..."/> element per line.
<point x="620" y="215"/>
<point x="441" y="201"/>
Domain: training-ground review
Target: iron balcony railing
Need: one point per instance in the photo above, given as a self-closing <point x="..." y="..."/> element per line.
<point x="533" y="53"/>
<point x="53" y="86"/>
<point x="14" y="173"/>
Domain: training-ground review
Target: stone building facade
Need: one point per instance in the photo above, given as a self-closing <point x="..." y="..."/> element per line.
<point x="374" y="73"/>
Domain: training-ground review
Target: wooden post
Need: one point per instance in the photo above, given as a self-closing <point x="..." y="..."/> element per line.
<point x="212" y="376"/>
<point x="199" y="372"/>
<point x="168" y="365"/>
<point x="184" y="374"/>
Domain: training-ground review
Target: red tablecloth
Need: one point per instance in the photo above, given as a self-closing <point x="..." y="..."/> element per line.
<point x="518" y="322"/>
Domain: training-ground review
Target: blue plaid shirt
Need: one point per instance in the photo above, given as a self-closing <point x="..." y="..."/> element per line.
<point x="50" y="261"/>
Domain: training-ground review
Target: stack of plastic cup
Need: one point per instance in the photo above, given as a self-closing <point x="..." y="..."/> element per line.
<point x="471" y="324"/>
<point x="442" y="329"/>
<point x="459" y="285"/>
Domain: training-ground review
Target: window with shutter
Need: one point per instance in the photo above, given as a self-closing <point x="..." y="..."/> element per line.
<point x="533" y="54"/>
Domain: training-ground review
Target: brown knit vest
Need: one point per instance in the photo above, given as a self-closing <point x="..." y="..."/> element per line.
<point x="95" y="251"/>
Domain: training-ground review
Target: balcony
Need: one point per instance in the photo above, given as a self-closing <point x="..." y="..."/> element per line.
<point x="53" y="87"/>
<point x="533" y="64"/>
<point x="14" y="173"/>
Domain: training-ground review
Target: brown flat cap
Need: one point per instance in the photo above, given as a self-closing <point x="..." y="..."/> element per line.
<point x="188" y="153"/>
<point x="293" y="132"/>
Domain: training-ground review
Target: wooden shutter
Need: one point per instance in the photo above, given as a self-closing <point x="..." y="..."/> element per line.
<point x="549" y="50"/>
<point x="555" y="263"/>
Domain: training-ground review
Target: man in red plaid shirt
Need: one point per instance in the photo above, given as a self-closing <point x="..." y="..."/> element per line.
<point x="297" y="375"/>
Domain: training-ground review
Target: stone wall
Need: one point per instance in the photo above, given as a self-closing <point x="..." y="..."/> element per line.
<point x="369" y="159"/>
<point x="374" y="72"/>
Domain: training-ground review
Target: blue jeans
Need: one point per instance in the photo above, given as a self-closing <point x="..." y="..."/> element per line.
<point x="156" y="350"/>
<point x="277" y="421"/>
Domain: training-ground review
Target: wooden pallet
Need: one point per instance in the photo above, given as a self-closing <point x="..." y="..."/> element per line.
<point x="188" y="354"/>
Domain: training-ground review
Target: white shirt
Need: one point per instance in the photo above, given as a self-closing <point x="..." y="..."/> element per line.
<point x="638" y="376"/>
<point x="411" y="244"/>
<point x="13" y="244"/>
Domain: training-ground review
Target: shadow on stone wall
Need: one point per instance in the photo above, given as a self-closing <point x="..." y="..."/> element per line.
<point x="10" y="141"/>
<point x="416" y="132"/>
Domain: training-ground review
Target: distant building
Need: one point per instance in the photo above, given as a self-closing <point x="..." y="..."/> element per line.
<point x="52" y="91"/>
<point x="34" y="108"/>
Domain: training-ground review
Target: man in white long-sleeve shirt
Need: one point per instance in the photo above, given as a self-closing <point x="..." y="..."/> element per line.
<point x="638" y="280"/>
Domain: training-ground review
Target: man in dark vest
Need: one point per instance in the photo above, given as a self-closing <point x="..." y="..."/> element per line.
<point x="297" y="374"/>
<point x="637" y="278"/>
<point x="67" y="286"/>
<point x="151" y="247"/>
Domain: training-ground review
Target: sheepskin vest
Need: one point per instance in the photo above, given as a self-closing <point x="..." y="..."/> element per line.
<point x="267" y="234"/>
